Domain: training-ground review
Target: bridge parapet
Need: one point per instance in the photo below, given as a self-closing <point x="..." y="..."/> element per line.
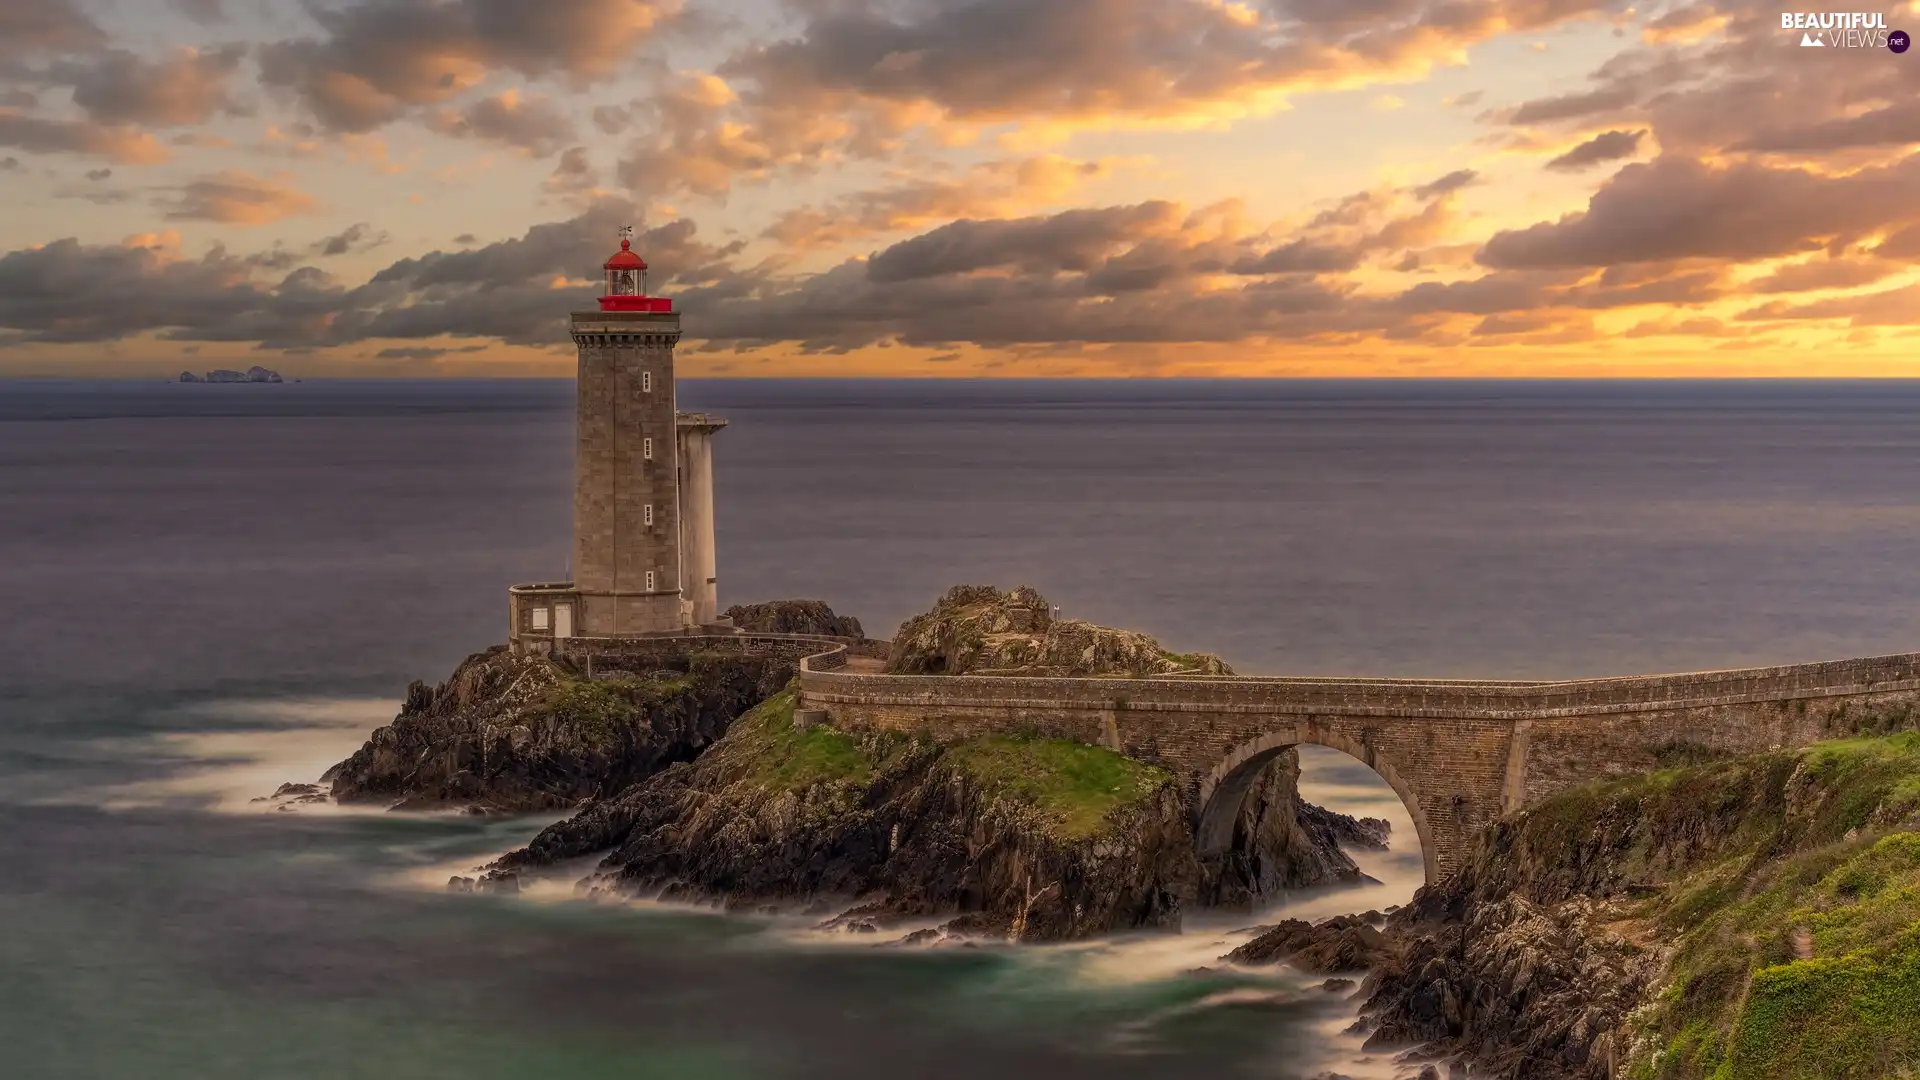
<point x="1459" y="752"/>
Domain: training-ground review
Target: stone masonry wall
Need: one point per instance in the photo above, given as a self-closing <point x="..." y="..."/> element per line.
<point x="1459" y="753"/>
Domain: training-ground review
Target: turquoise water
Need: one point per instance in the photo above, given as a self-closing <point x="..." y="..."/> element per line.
<point x="217" y="589"/>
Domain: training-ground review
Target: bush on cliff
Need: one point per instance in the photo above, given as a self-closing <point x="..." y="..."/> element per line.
<point x="978" y="629"/>
<point x="1739" y="920"/>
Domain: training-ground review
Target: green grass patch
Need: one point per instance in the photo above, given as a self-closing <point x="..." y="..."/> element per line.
<point x="1075" y="785"/>
<point x="1826" y="861"/>
<point x="782" y="756"/>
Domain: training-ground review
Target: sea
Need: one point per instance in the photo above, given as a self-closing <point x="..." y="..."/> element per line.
<point x="211" y="590"/>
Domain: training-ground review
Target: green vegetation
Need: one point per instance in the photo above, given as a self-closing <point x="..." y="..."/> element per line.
<point x="780" y="755"/>
<point x="1797" y="931"/>
<point x="1075" y="785"/>
<point x="599" y="710"/>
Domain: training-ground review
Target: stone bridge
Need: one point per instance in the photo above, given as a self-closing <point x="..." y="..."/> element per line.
<point x="1459" y="753"/>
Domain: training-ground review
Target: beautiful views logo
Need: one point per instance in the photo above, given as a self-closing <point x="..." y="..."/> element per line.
<point x="1841" y="29"/>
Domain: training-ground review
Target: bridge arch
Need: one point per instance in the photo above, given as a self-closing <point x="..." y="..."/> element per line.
<point x="1223" y="790"/>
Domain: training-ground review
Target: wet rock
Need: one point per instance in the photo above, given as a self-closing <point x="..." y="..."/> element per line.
<point x="1343" y="943"/>
<point x="1337" y="986"/>
<point x="1281" y="843"/>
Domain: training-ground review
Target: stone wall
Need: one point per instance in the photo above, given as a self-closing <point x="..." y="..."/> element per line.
<point x="1459" y="753"/>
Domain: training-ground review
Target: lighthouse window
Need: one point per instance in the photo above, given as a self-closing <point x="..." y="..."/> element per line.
<point x="646" y="449"/>
<point x="649" y="581"/>
<point x="649" y="513"/>
<point x="539" y="618"/>
<point x="646" y="382"/>
<point x="621" y="283"/>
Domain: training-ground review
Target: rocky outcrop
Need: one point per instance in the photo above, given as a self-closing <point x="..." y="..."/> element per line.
<point x="1742" y="919"/>
<point x="883" y="827"/>
<point x="1342" y="943"/>
<point x="794" y="617"/>
<point x="1282" y="843"/>
<point x="978" y="629"/>
<point x="522" y="734"/>
<point x="254" y="374"/>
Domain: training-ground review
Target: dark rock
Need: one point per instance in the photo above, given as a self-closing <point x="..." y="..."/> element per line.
<point x="1343" y="943"/>
<point x="522" y="734"/>
<point x="458" y="884"/>
<point x="794" y="617"/>
<point x="1337" y="986"/>
<point x="1281" y="843"/>
<point x="1428" y="1072"/>
<point x="289" y="790"/>
<point x="188" y="376"/>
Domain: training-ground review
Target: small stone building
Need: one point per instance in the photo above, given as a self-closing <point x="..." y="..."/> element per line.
<point x="643" y="543"/>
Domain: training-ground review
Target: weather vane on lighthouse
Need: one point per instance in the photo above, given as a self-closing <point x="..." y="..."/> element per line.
<point x="626" y="233"/>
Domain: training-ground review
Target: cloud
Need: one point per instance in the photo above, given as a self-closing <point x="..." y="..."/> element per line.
<point x="1446" y="185"/>
<point x="1889" y="307"/>
<point x="858" y="80"/>
<point x="357" y="237"/>
<point x="116" y="143"/>
<point x="378" y="60"/>
<point x="188" y="86"/>
<point x="29" y="26"/>
<point x="992" y="189"/>
<point x="201" y="11"/>
<point x="1823" y="274"/>
<point x="1606" y="146"/>
<point x="1675" y="207"/>
<point x="573" y="174"/>
<point x="534" y="125"/>
<point x="233" y="197"/>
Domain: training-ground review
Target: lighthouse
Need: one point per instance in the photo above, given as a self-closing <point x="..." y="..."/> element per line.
<point x="643" y="498"/>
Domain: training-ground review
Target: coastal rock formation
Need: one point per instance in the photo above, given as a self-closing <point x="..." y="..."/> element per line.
<point x="1281" y="843"/>
<point x="1742" y="919"/>
<point x="794" y="617"/>
<point x="254" y="374"/>
<point x="523" y="734"/>
<point x="1342" y="943"/>
<point x="1029" y="838"/>
<point x="1014" y="835"/>
<point x="980" y="630"/>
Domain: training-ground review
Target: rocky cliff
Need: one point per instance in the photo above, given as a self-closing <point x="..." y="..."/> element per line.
<point x="1740" y="920"/>
<point x="794" y="617"/>
<point x="1031" y="838"/>
<point x="512" y="734"/>
<point x="978" y="629"/>
<point x="1281" y="842"/>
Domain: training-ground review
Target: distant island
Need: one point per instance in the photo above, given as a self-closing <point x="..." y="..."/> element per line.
<point x="251" y="375"/>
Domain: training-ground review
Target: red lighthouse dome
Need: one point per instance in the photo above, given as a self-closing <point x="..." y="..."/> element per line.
<point x="627" y="281"/>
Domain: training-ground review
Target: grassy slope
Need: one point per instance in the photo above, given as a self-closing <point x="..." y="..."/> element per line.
<point x="1797" y="938"/>
<point x="1074" y="786"/>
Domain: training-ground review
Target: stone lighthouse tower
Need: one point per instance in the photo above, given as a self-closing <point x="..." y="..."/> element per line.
<point x="643" y="537"/>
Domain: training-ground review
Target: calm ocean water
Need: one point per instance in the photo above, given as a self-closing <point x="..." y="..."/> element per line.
<point x="213" y="589"/>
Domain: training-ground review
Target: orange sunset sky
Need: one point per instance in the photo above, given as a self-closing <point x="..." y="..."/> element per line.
<point x="959" y="187"/>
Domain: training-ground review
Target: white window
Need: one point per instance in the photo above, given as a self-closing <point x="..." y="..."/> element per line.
<point x="649" y="581"/>
<point x="646" y="449"/>
<point x="649" y="513"/>
<point x="539" y="618"/>
<point x="646" y="382"/>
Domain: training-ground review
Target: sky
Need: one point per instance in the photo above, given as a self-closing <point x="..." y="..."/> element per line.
<point x="1059" y="188"/>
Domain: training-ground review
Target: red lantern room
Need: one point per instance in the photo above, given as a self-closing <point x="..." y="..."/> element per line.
<point x="627" y="281"/>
